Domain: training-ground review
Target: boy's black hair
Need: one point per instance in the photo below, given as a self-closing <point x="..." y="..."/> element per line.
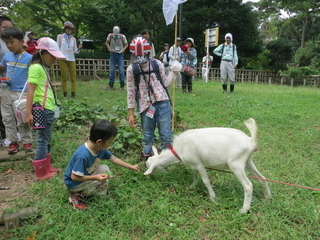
<point x="12" y="32"/>
<point x="145" y="31"/>
<point x="5" y="18"/>
<point x="102" y="129"/>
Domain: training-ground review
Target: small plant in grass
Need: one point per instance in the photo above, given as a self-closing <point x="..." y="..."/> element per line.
<point x="74" y="114"/>
<point x="127" y="137"/>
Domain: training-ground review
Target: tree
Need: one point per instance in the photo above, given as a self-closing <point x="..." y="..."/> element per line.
<point x="279" y="52"/>
<point x="301" y="15"/>
<point x="95" y="19"/>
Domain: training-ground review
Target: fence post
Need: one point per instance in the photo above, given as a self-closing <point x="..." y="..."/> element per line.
<point x="257" y="79"/>
<point x="269" y="80"/>
<point x="291" y="82"/>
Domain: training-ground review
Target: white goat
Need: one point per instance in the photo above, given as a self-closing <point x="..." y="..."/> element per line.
<point x="216" y="148"/>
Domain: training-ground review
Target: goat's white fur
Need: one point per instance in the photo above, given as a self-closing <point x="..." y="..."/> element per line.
<point x="216" y="148"/>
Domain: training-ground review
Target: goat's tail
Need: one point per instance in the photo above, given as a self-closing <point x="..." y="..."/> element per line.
<point x="253" y="128"/>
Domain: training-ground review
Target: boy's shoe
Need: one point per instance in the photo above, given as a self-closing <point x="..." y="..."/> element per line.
<point x="6" y="143"/>
<point x="76" y="200"/>
<point x="13" y="148"/>
<point x="28" y="147"/>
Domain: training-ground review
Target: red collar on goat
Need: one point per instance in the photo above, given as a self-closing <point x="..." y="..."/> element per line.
<point x="174" y="152"/>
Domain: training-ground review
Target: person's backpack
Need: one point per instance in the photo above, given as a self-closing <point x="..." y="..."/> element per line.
<point x="137" y="72"/>
<point x="113" y="36"/>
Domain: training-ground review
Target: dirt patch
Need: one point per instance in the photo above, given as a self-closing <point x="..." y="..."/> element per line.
<point x="16" y="174"/>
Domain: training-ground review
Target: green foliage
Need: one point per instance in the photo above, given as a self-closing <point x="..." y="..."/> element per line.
<point x="279" y="52"/>
<point x="127" y="138"/>
<point x="74" y="114"/>
<point x="78" y="114"/>
<point x="95" y="19"/>
<point x="301" y="71"/>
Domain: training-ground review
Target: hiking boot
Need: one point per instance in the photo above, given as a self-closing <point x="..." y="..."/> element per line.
<point x="73" y="94"/>
<point x="121" y="85"/>
<point x="65" y="94"/>
<point x="13" y="148"/>
<point x="76" y="200"/>
<point x="28" y="147"/>
<point x="232" y="88"/>
<point x="110" y="86"/>
<point x="225" y="88"/>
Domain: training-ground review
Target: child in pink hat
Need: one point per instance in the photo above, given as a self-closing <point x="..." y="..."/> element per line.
<point x="41" y="92"/>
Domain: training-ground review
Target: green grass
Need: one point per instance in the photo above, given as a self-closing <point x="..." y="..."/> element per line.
<point x="164" y="207"/>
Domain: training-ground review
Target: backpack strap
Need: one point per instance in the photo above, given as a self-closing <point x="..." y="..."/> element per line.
<point x="137" y="72"/>
<point x="155" y="67"/>
<point x="223" y="49"/>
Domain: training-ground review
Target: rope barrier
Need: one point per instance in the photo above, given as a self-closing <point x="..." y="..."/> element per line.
<point x="268" y="180"/>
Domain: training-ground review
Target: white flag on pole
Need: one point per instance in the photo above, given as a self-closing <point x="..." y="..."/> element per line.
<point x="169" y="8"/>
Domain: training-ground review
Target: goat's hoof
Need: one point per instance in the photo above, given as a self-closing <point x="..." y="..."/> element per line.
<point x="267" y="196"/>
<point x="213" y="199"/>
<point x="243" y="211"/>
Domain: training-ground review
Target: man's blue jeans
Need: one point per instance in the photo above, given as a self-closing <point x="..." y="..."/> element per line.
<point x="44" y="136"/>
<point x="116" y="59"/>
<point x="161" y="119"/>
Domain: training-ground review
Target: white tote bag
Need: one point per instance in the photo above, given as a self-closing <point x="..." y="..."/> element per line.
<point x="20" y="107"/>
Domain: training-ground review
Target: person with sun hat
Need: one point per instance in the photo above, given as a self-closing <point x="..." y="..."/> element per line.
<point x="68" y="46"/>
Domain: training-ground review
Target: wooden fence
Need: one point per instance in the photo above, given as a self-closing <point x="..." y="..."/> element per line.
<point x="98" y="68"/>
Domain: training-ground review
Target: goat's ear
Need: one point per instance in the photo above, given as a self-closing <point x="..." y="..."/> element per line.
<point x="155" y="151"/>
<point x="149" y="171"/>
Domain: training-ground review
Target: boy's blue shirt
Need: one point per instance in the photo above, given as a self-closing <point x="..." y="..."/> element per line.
<point x="84" y="163"/>
<point x="17" y="69"/>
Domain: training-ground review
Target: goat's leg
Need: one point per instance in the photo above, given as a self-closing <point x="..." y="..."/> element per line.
<point x="206" y="181"/>
<point x="252" y="168"/>
<point x="246" y="184"/>
<point x="195" y="178"/>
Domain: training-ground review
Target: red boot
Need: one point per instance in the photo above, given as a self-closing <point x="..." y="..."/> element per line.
<point x="41" y="169"/>
<point x="50" y="167"/>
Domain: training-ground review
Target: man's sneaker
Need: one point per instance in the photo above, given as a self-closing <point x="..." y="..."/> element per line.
<point x="13" y="148"/>
<point x="6" y="143"/>
<point x="76" y="200"/>
<point x="28" y="147"/>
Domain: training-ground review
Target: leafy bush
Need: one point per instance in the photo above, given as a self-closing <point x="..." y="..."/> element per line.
<point x="75" y="114"/>
<point x="127" y="137"/>
<point x="301" y="71"/>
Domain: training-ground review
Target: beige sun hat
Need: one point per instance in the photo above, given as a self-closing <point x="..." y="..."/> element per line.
<point x="191" y="40"/>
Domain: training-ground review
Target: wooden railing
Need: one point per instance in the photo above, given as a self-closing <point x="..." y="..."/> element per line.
<point x="98" y="68"/>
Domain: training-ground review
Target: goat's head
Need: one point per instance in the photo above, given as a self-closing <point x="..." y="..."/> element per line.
<point x="154" y="163"/>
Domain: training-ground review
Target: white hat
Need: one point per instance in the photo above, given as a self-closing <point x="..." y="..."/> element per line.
<point x="228" y="35"/>
<point x="46" y="43"/>
<point x="191" y="40"/>
<point x="68" y="24"/>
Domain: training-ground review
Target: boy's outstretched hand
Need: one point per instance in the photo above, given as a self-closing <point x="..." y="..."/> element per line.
<point x="136" y="168"/>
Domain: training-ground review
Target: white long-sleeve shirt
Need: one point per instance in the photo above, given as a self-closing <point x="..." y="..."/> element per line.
<point x="68" y="46"/>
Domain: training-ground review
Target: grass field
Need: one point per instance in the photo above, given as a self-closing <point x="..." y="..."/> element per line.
<point x="164" y="207"/>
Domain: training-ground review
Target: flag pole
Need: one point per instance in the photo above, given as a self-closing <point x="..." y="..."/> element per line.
<point x="174" y="84"/>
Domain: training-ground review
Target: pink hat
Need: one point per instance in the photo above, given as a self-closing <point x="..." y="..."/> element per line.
<point x="46" y="43"/>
